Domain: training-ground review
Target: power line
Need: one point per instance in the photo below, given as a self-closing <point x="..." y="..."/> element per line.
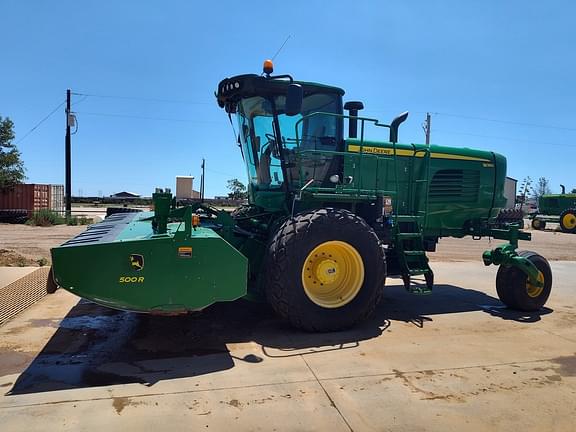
<point x="469" y="117"/>
<point x="505" y="121"/>
<point x="79" y="101"/>
<point x="146" y="117"/>
<point x="505" y="138"/>
<point x="463" y="116"/>
<point x="40" y="122"/>
<point x="145" y="99"/>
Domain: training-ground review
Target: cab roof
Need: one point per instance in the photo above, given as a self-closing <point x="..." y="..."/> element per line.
<point x="231" y="90"/>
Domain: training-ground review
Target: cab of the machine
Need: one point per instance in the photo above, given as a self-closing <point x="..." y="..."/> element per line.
<point x="284" y="147"/>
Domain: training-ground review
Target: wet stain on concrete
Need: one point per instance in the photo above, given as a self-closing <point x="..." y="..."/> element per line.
<point x="119" y="403"/>
<point x="96" y="346"/>
<point x="12" y="362"/>
<point x="426" y="394"/>
<point x="554" y="378"/>
<point x="567" y="365"/>
<point x="43" y="322"/>
<point x="235" y="403"/>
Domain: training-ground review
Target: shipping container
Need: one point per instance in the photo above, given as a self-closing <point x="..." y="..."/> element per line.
<point x="29" y="197"/>
<point x="57" y="198"/>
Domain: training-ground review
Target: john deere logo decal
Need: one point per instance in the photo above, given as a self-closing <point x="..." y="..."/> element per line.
<point x="137" y="262"/>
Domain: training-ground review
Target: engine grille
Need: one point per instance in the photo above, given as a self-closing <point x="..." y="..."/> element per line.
<point x="455" y="186"/>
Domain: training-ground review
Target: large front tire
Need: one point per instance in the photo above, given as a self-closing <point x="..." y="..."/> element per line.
<point x="325" y="270"/>
<point x="515" y="290"/>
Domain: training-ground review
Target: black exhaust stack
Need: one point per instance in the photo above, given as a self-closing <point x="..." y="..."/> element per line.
<point x="563" y="189"/>
<point x="395" y="125"/>
<point x="353" y="107"/>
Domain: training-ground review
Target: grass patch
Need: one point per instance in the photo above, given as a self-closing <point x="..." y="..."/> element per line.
<point x="79" y="220"/>
<point x="42" y="262"/>
<point x="9" y="258"/>
<point x="45" y="218"/>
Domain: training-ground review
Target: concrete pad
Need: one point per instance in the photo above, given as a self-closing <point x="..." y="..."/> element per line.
<point x="301" y="407"/>
<point x="12" y="274"/>
<point x="450" y="361"/>
<point x="508" y="397"/>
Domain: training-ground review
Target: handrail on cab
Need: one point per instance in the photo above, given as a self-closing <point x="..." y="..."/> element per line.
<point x="360" y="155"/>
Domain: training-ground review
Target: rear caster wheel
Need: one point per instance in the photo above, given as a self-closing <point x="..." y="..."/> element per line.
<point x="515" y="290"/>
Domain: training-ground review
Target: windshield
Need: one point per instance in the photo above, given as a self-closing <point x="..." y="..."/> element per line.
<point x="263" y="142"/>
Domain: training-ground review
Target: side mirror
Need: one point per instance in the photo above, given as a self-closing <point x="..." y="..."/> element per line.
<point x="294" y="97"/>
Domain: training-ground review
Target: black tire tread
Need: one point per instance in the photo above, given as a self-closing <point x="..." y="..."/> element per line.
<point x="511" y="281"/>
<point x="277" y="265"/>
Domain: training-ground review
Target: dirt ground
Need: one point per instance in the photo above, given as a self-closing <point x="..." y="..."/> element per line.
<point x="31" y="243"/>
<point x="553" y="245"/>
<point x="34" y="243"/>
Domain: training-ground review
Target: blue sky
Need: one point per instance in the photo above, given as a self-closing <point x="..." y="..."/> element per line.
<point x="466" y="62"/>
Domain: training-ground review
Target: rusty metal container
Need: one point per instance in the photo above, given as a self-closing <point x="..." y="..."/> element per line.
<point x="29" y="197"/>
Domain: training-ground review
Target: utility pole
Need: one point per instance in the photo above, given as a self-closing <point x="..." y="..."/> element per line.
<point x="68" y="159"/>
<point x="202" y="180"/>
<point x="426" y="126"/>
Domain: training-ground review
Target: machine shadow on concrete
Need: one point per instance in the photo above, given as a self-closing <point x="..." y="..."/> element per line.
<point x="95" y="346"/>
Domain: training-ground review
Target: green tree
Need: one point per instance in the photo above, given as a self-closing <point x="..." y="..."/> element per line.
<point x="11" y="166"/>
<point x="542" y="187"/>
<point x="237" y="189"/>
<point x="573" y="190"/>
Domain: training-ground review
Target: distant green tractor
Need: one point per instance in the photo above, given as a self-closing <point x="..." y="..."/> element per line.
<point x="330" y="215"/>
<point x="558" y="208"/>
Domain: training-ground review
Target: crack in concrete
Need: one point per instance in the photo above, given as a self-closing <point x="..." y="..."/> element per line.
<point x="332" y="403"/>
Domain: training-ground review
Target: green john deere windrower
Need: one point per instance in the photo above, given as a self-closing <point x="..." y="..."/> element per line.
<point x="331" y="214"/>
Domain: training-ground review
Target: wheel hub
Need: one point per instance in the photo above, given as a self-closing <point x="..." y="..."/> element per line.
<point x="533" y="290"/>
<point x="332" y="274"/>
<point x="327" y="271"/>
<point x="569" y="221"/>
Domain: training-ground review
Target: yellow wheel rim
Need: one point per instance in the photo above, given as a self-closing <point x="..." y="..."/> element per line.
<point x="569" y="221"/>
<point x="332" y="274"/>
<point x="532" y="290"/>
